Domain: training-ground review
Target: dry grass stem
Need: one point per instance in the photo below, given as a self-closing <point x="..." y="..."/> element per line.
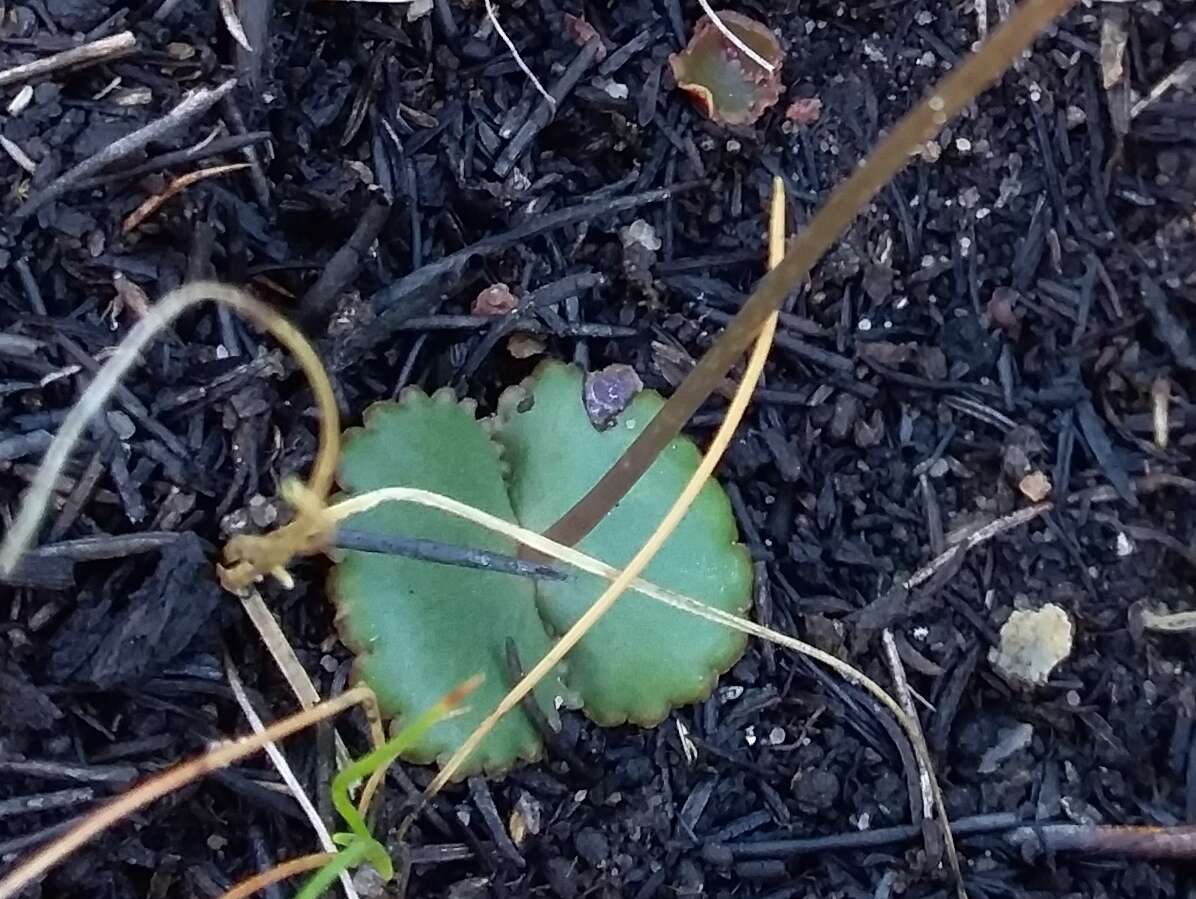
<point x="646" y="553"/>
<point x="178" y="185"/>
<point x="284" y="770"/>
<point x="523" y="66"/>
<point x="980" y="535"/>
<point x="125" y="356"/>
<point x="945" y="100"/>
<point x="220" y="756"/>
<point x="283" y="653"/>
<point x="280" y="872"/>
<point x="905" y="697"/>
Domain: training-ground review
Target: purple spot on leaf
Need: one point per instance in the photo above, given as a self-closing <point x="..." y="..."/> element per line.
<point x="608" y="392"/>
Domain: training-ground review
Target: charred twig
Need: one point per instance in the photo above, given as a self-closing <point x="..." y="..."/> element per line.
<point x="178" y="157"/>
<point x="545" y="111"/>
<point x="103" y="50"/>
<point x="188" y="109"/>
<point x="236" y="123"/>
<point x="320" y="300"/>
<point x="420" y="290"/>
<point x="44" y="835"/>
<point x="121" y="775"/>
<point x="445" y="554"/>
<point x="45" y="802"/>
<point x="484" y="801"/>
<point x="866" y="839"/>
<point x="90" y="549"/>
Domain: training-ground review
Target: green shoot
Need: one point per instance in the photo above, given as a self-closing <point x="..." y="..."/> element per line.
<point x="359" y="844"/>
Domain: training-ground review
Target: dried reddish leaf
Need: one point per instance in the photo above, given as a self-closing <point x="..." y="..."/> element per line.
<point x="582" y="32"/>
<point x="730" y="87"/>
<point x="496" y="299"/>
<point x="804" y="111"/>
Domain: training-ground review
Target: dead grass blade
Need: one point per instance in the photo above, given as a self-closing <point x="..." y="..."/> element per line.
<point x="33" y="506"/>
<point x="283" y="767"/>
<point x="220" y="756"/>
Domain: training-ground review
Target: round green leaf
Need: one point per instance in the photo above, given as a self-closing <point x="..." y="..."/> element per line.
<point x="642" y="658"/>
<point x="421" y="628"/>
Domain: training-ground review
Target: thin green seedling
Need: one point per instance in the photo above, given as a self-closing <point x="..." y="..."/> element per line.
<point x="359" y="843"/>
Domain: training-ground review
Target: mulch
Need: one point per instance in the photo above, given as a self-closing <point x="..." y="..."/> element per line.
<point x="1016" y="303"/>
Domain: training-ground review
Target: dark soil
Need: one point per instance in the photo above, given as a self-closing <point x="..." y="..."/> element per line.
<point x="1006" y="307"/>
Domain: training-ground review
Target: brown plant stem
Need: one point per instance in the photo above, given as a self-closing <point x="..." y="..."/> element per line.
<point x="922" y="123"/>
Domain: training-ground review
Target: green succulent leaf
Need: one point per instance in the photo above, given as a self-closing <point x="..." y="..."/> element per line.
<point x="420" y="628"/>
<point x="642" y="658"/>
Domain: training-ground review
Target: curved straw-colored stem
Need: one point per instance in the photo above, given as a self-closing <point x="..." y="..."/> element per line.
<point x="664" y="530"/>
<point x="37" y="498"/>
<point x="104" y="817"/>
<point x="220" y="756"/>
<point x="567" y="554"/>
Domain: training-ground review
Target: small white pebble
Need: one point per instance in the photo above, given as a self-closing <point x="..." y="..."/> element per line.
<point x="1125" y="546"/>
<point x="639" y="233"/>
<point x="616" y="90"/>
